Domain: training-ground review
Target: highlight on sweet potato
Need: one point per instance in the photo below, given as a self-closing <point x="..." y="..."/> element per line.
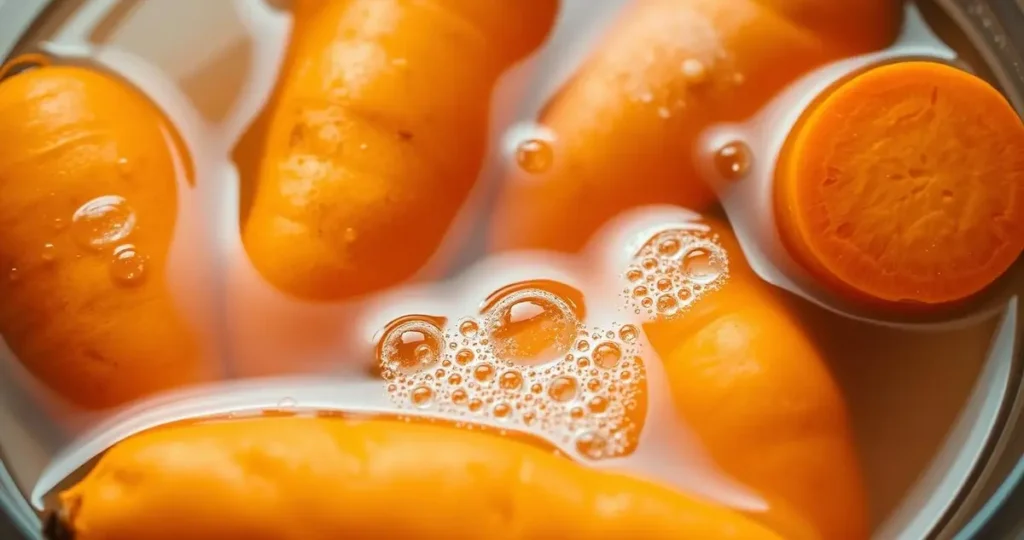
<point x="626" y="126"/>
<point x="904" y="186"/>
<point x="88" y="204"/>
<point x="377" y="136"/>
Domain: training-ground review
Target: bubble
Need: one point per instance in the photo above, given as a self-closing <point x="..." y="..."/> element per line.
<point x="628" y="333"/>
<point x="694" y="70"/>
<point x="634" y="275"/>
<point x="583" y="345"/>
<point x="593" y="385"/>
<point x="668" y="247"/>
<point x="647" y="302"/>
<point x="583" y="362"/>
<point x="701" y="266"/>
<point x="469" y="328"/>
<point x="502" y="410"/>
<point x="484" y="372"/>
<point x="102" y="221"/>
<point x="649" y="263"/>
<point x="598" y="404"/>
<point x="625" y="375"/>
<point x="563" y="389"/>
<point x="607" y="355"/>
<point x="733" y="160"/>
<point x="127" y="266"/>
<point x="536" y="388"/>
<point x="667" y="304"/>
<point x="411" y="344"/>
<point x="640" y="291"/>
<point x="459" y="396"/>
<point x="511" y="380"/>
<point x="534" y="156"/>
<point x="529" y="418"/>
<point x="475" y="405"/>
<point x="684" y="294"/>
<point x="49" y="253"/>
<point x="464" y="356"/>
<point x="591" y="445"/>
<point x="531" y="324"/>
<point x="422" y="396"/>
<point x="455" y="379"/>
<point x="577" y="413"/>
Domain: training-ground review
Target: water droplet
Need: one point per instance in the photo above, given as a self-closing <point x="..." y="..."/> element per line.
<point x="127" y="266"/>
<point x="422" y="396"/>
<point x="701" y="266"/>
<point x="733" y="160"/>
<point x="502" y="410"/>
<point x="667" y="304"/>
<point x="286" y="403"/>
<point x="531" y="325"/>
<point x="628" y="333"/>
<point x="607" y="355"/>
<point x="634" y="275"/>
<point x="102" y="221"/>
<point x="591" y="445"/>
<point x="535" y="156"/>
<point x="563" y="389"/>
<point x="484" y="372"/>
<point x="411" y="344"/>
<point x="469" y="328"/>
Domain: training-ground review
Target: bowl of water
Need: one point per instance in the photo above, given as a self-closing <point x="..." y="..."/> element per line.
<point x="546" y="229"/>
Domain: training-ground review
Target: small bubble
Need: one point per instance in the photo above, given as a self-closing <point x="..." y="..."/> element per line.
<point x="628" y="333"/>
<point x="591" y="445"/>
<point x="464" y="356"/>
<point x="534" y="156"/>
<point x="469" y="328"/>
<point x="647" y="302"/>
<point x="694" y="70"/>
<point x="475" y="405"/>
<point x="511" y="380"/>
<point x="536" y="388"/>
<point x="531" y="325"/>
<point x="459" y="396"/>
<point x="529" y="418"/>
<point x="49" y="253"/>
<point x="634" y="275"/>
<point x="455" y="379"/>
<point x="439" y="373"/>
<point x="664" y="284"/>
<point x="607" y="355"/>
<point x="563" y="389"/>
<point x="650" y="263"/>
<point x="664" y="113"/>
<point x="102" y="221"/>
<point x="625" y="375"/>
<point x="640" y="291"/>
<point x="484" y="372"/>
<point x="733" y="160"/>
<point x="502" y="410"/>
<point x="422" y="396"/>
<point x="577" y="413"/>
<point x="286" y="403"/>
<point x="583" y="362"/>
<point x="701" y="266"/>
<point x="593" y="385"/>
<point x="411" y="346"/>
<point x="684" y="294"/>
<point x="667" y="305"/>
<point x="583" y="345"/>
<point x="127" y="266"/>
<point x="598" y="404"/>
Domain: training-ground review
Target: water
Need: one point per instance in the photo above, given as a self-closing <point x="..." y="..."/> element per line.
<point x="549" y="346"/>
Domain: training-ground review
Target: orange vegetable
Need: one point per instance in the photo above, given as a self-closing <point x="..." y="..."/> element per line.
<point x="88" y="204"/>
<point x="751" y="383"/>
<point x="378" y="135"/>
<point x="905" y="184"/>
<point x="625" y="127"/>
<point x="320" y="478"/>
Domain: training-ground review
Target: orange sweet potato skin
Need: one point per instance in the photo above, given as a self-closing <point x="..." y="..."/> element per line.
<point x="69" y="135"/>
<point x="377" y="136"/>
<point x="322" y="478"/>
